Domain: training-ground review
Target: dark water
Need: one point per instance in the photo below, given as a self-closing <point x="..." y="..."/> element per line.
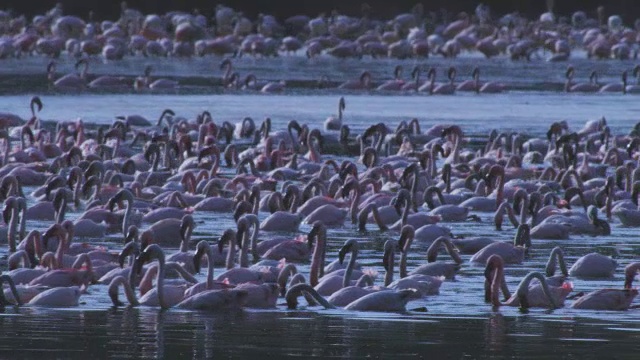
<point x="458" y="324"/>
<point x="132" y="333"/>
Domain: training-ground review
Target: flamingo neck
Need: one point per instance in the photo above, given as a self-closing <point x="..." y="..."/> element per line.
<point x="231" y="253"/>
<point x="346" y="279"/>
<point x="523" y="210"/>
<point x="13" y="229"/>
<point x="210" y="269"/>
<point x="254" y="242"/>
<point x="317" y="262"/>
<point x="388" y="275"/>
<point x="453" y="252"/>
<point x="60" y="251"/>
<point x="354" y="204"/>
<point x="160" y="283"/>
<point x="523" y="290"/>
<point x="496" y="283"/>
<point x="244" y="250"/>
<point x="127" y="214"/>
<point x="129" y="293"/>
<point x="500" y="190"/>
<point x="405" y="211"/>
<point x="146" y="283"/>
<point x="403" y="257"/>
<point x="184" y="244"/>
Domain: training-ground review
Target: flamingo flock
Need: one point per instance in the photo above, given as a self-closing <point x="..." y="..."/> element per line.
<point x="145" y="183"/>
<point x="224" y="31"/>
<point x="232" y="80"/>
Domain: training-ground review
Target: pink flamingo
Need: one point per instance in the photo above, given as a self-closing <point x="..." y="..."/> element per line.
<point x="539" y="295"/>
<point x="591" y="86"/>
<point x="204" y="249"/>
<point x="611" y="299"/>
<point x="363" y="82"/>
<point x="511" y="253"/>
<point x="393" y="85"/>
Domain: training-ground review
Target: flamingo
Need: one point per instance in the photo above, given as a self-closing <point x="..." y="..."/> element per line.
<point x="393" y="85"/>
<point x="57" y="297"/>
<point x="482" y="203"/>
<point x="616" y="87"/>
<point x="335" y="123"/>
<point x="158" y="84"/>
<point x="14" y="214"/>
<point x="591" y="86"/>
<point x="282" y="221"/>
<point x="363" y="82"/>
<point x="470" y="85"/>
<point x="70" y="81"/>
<point x="337" y="280"/>
<point x="204" y="249"/>
<point x="424" y="284"/>
<point x="183" y="255"/>
<point x="634" y="88"/>
<point x="416" y="83"/>
<point x="435" y="268"/>
<point x="526" y="296"/>
<point x="444" y="89"/>
<point x="382" y="301"/>
<point x="476" y="85"/>
<point x="593" y="265"/>
<point x="162" y="296"/>
<point x="237" y="275"/>
<point x="611" y="299"/>
<point x="168" y="232"/>
<point x="446" y="212"/>
<point x="297" y="249"/>
<point x="510" y="253"/>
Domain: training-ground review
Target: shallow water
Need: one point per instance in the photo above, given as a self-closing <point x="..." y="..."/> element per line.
<point x="457" y="324"/>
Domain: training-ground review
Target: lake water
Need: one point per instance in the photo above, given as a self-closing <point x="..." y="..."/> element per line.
<point x="458" y="324"/>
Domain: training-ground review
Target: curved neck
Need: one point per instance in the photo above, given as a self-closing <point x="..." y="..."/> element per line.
<point x="499" y="216"/>
<point x="181" y="271"/>
<point x="346" y="279"/>
<point x="317" y="262"/>
<point x="404" y="255"/>
<point x="498" y="283"/>
<point x="390" y="267"/>
<point x="7" y="279"/>
<point x="298" y="289"/>
<point x="83" y="259"/>
<point x="128" y="291"/>
<point x="432" y="252"/>
<point x="550" y="268"/>
<point x="523" y="290"/>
